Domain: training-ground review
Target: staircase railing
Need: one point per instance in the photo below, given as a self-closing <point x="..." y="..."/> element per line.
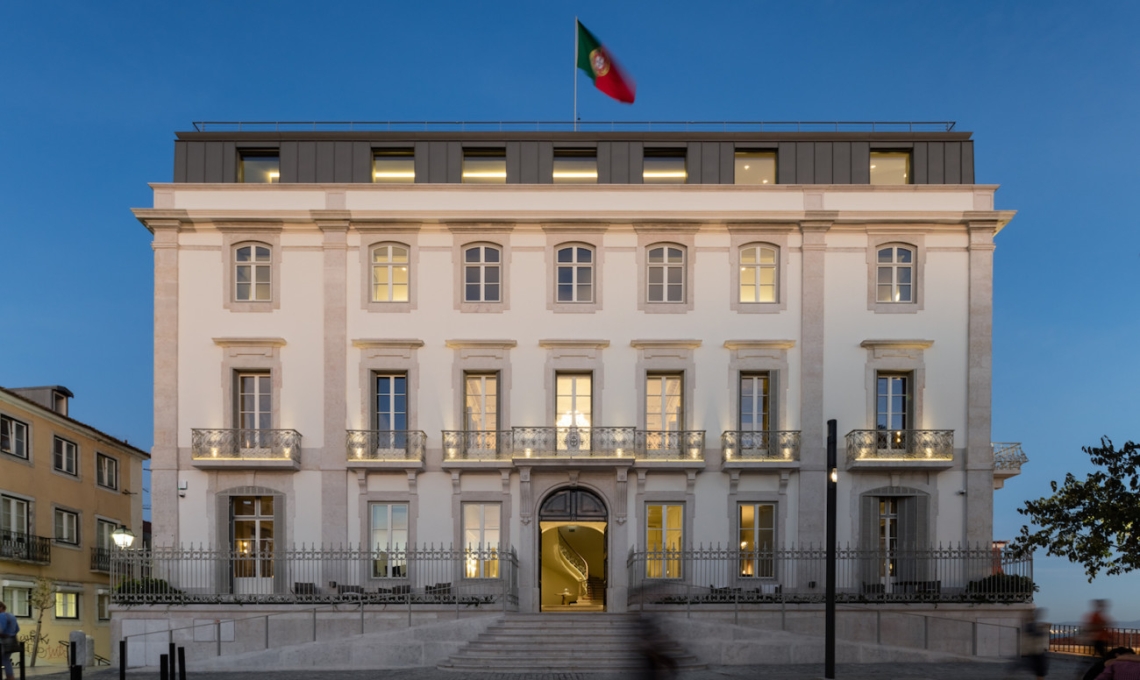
<point x="575" y="564"/>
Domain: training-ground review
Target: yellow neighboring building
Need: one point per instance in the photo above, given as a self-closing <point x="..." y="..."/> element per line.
<point x="64" y="487"/>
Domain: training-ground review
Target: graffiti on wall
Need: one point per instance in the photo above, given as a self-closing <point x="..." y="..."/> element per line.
<point x="46" y="650"/>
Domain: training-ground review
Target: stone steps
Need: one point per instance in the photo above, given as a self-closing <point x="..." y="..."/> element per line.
<point x="571" y="642"/>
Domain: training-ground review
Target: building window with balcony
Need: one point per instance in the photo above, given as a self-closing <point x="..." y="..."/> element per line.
<point x="391" y="401"/>
<point x="389" y="526"/>
<point x="394" y="166"/>
<point x="65" y="456"/>
<point x="892" y="409"/>
<point x="18" y="601"/>
<point x="66" y="527"/>
<point x="664" y="534"/>
<point x="890" y="167"/>
<point x="67" y="605"/>
<point x="574" y="166"/>
<point x="482" y="274"/>
<point x="573" y="400"/>
<point x="665" y="274"/>
<point x="575" y="274"/>
<point x="758" y="274"/>
<point x="253" y="273"/>
<point x="106" y="472"/>
<point x="13" y="437"/>
<point x="391" y="273"/>
<point x="755" y="167"/>
<point x="755" y="402"/>
<point x="757" y="522"/>
<point x="484" y="166"/>
<point x="481" y="535"/>
<point x="664" y="403"/>
<point x="13" y="516"/>
<point x="895" y="274"/>
<point x="101" y="555"/>
<point x="259" y="167"/>
<point x="254" y="408"/>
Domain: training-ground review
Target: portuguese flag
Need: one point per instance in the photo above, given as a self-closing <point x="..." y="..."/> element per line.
<point x="599" y="64"/>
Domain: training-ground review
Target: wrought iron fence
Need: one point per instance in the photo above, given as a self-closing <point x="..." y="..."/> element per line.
<point x="711" y="575"/>
<point x="101" y="559"/>
<point x="1009" y="456"/>
<point x="573" y="442"/>
<point x="477" y="445"/>
<point x="238" y="444"/>
<point x="473" y="576"/>
<point x="1071" y="639"/>
<point x="385" y="445"/>
<point x="21" y="547"/>
<point x="900" y="444"/>
<point x="773" y="445"/>
<point x="568" y="126"/>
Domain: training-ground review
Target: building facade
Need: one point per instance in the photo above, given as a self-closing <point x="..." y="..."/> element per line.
<point x="598" y="350"/>
<point x="64" y="487"/>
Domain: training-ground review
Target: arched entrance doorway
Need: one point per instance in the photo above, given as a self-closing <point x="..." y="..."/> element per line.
<point x="572" y="563"/>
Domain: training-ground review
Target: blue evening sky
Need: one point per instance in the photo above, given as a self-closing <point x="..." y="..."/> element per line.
<point x="92" y="92"/>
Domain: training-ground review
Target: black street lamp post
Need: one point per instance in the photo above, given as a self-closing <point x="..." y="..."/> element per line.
<point x="829" y="612"/>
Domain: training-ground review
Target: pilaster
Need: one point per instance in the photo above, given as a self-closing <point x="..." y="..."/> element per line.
<point x="813" y="451"/>
<point x="979" y="386"/>
<point x="164" y="453"/>
<point x="334" y="504"/>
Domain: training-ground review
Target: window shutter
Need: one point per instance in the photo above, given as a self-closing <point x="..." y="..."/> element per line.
<point x="869" y="541"/>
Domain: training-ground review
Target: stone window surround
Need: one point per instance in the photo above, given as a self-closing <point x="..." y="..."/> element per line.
<point x="235" y="236"/>
<point x="459" y="498"/>
<point x="774" y="237"/>
<point x="666" y="356"/>
<point x="253" y="355"/>
<point x="912" y="240"/>
<point x="685" y="498"/>
<point x="901" y="356"/>
<point x="366" y="499"/>
<point x="759" y="356"/>
<point x="402" y="235"/>
<point x="387" y="356"/>
<point x="558" y="236"/>
<point x="283" y="503"/>
<point x="574" y="357"/>
<point x="682" y="235"/>
<point x="77" y="476"/>
<point x="467" y="236"/>
<point x="29" y="451"/>
<point x="118" y="472"/>
<point x="482" y="356"/>
<point x="56" y="542"/>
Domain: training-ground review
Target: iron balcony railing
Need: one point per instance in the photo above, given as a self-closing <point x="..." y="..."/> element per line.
<point x="716" y="575"/>
<point x="1008" y="457"/>
<point x="570" y="126"/>
<point x="908" y="445"/>
<point x="101" y="559"/>
<point x="20" y="547"/>
<point x="574" y="442"/>
<point x="383" y="445"/>
<point x="472" y="576"/>
<point x="1074" y="639"/>
<point x="773" y="445"/>
<point x="239" y="444"/>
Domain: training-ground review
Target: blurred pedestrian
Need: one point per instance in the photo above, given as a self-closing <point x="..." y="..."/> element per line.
<point x="1123" y="667"/>
<point x="9" y="628"/>
<point x="1095" y="628"/>
<point x="1035" y="632"/>
<point x="1098" y="667"/>
<point x="657" y="662"/>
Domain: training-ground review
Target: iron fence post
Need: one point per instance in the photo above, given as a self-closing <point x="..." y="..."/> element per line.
<point x="267" y="631"/>
<point x="314" y="624"/>
<point x="218" y="637"/>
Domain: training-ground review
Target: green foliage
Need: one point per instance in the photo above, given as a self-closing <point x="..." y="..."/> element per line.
<point x="1002" y="584"/>
<point x="1092" y="521"/>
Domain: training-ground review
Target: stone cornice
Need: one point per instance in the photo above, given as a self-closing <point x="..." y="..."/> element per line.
<point x="249" y="342"/>
<point x="481" y="344"/>
<point x="759" y="344"/>
<point x="387" y="343"/>
<point x="665" y="344"/>
<point x="574" y="227"/>
<point x="574" y="344"/>
<point x="477" y="227"/>
<point x="896" y="344"/>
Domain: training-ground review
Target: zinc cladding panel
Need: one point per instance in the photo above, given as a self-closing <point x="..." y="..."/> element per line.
<point x="180" y="161"/>
<point x="454" y="162"/>
<point x="195" y="161"/>
<point x="693" y="163"/>
<point x="287" y="157"/>
<point x="342" y="167"/>
<point x="918" y="160"/>
<point x="423" y="151"/>
<point x="619" y="162"/>
<point x="967" y="162"/>
<point x="953" y="163"/>
<point x="786" y="163"/>
<point x="823" y="158"/>
<point x="935" y="168"/>
<point x="214" y="162"/>
<point x="437" y="162"/>
<point x="805" y="162"/>
<point x="528" y="163"/>
<point x="605" y="154"/>
<point x="710" y="163"/>
<point x="229" y="162"/>
<point x="841" y="162"/>
<point x="326" y="162"/>
<point x="361" y="162"/>
<point x="544" y="157"/>
<point x="727" y="163"/>
<point x="636" y="162"/>
<point x="514" y="162"/>
<point x="306" y="162"/>
<point x="860" y="162"/>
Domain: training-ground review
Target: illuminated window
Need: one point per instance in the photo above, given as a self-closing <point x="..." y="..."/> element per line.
<point x="664" y="404"/>
<point x="573" y="403"/>
<point x="664" y="166"/>
<point x="757" y="274"/>
<point x="259" y="168"/>
<point x="481" y="534"/>
<point x="13" y="437"/>
<point x="895" y="277"/>
<point x="65" y="456"/>
<point x="67" y="605"/>
<point x="252" y="531"/>
<point x="253" y="273"/>
<point x="575" y="274"/>
<point x="106" y="471"/>
<point x="890" y="167"/>
<point x="665" y="276"/>
<point x="575" y="167"/>
<point x="663" y="539"/>
<point x="390" y="273"/>
<point x="396" y="166"/>
<point x="254" y="407"/>
<point x="482" y="274"/>
<point x="757" y="539"/>
<point x="481" y="399"/>
<point x="484" y="166"/>
<point x="389" y="524"/>
<point x="754" y="402"/>
<point x="892" y="410"/>
<point x="755" y="167"/>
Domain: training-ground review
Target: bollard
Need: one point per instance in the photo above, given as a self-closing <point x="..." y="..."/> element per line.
<point x="163" y="667"/>
<point x="123" y="659"/>
<point x="71" y="656"/>
<point x="218" y="636"/>
<point x="173" y="658"/>
<point x="22" y="650"/>
<point x="77" y="672"/>
<point x="181" y="663"/>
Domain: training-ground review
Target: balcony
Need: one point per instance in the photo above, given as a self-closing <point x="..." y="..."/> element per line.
<point x="20" y="547"/>
<point x="1008" y="459"/>
<point x="774" y="449"/>
<point x="553" y="444"/>
<point x="900" y="449"/>
<point x="246" y="449"/>
<point x="101" y="560"/>
<point x="370" y="449"/>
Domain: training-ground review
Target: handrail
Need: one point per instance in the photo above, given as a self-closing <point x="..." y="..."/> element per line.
<point x="575" y="562"/>
<point x="570" y="126"/>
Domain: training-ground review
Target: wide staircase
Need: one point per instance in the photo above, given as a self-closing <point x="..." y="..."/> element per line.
<point x="570" y="642"/>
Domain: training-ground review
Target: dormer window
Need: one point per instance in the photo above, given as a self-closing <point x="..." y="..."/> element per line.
<point x="257" y="167"/>
<point x="59" y="402"/>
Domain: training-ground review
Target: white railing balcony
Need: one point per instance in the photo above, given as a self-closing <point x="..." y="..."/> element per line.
<point x="366" y="448"/>
<point x="236" y="448"/>
<point x="763" y="446"/>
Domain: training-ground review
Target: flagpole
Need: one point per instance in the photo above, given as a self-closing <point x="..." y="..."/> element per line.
<point x="575" y="74"/>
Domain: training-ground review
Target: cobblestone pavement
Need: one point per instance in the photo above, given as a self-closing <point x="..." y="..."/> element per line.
<point x="1061" y="668"/>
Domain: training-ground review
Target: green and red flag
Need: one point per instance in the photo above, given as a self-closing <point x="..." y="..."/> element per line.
<point x="599" y="64"/>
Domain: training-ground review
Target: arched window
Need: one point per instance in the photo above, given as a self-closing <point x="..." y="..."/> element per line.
<point x="665" y="277"/>
<point x="390" y="273"/>
<point x="758" y="274"/>
<point x="482" y="274"/>
<point x="253" y="273"/>
<point x="895" y="274"/>
<point x="575" y="274"/>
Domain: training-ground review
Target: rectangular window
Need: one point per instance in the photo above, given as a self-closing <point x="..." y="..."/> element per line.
<point x="66" y="527"/>
<point x="65" y="456"/>
<point x="481" y="524"/>
<point x="664" y="166"/>
<point x="665" y="275"/>
<point x="575" y="167"/>
<point x="394" y="166"/>
<point x="391" y="402"/>
<point x="13" y="437"/>
<point x="575" y="272"/>
<point x="755" y="167"/>
<point x="389" y="523"/>
<point x="757" y="539"/>
<point x="255" y="405"/>
<point x="251" y="528"/>
<point x="888" y="537"/>
<point x="663" y="540"/>
<point x="573" y="404"/>
<point x="484" y="166"/>
<point x="481" y="397"/>
<point x="103" y="606"/>
<point x="754" y="402"/>
<point x="106" y="471"/>
<point x="13" y="515"/>
<point x="103" y="531"/>
<point x="663" y="403"/>
<point x="257" y="167"/>
<point x="890" y="167"/>
<point x="67" y="605"/>
<point x="18" y="601"/>
<point x="892" y="410"/>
